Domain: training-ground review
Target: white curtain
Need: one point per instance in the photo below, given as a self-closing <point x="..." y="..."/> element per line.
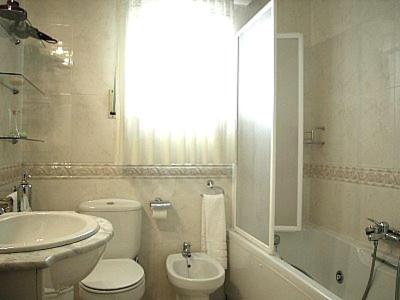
<point x="178" y="82"/>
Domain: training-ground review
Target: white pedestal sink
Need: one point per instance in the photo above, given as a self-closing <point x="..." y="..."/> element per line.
<point x="48" y="249"/>
<point x="22" y="232"/>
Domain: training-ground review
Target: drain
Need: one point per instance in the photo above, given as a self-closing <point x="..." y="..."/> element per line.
<point x="339" y="277"/>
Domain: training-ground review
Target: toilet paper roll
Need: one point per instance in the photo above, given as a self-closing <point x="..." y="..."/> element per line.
<point x="160" y="214"/>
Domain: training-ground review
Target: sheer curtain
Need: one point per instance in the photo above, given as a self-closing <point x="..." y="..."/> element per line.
<point x="178" y="82"/>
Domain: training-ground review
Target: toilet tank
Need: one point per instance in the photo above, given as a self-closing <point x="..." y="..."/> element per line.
<point x="126" y="218"/>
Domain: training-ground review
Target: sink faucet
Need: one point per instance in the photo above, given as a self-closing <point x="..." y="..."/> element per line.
<point x="381" y="230"/>
<point x="24" y="189"/>
<point x="187" y="249"/>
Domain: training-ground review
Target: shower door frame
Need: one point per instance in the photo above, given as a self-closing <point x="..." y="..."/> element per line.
<point x="300" y="39"/>
<point x="270" y="6"/>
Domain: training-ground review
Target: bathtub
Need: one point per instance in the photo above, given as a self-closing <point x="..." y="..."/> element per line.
<point x="256" y="275"/>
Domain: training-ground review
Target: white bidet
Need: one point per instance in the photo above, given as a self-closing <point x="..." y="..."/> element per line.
<point x="194" y="278"/>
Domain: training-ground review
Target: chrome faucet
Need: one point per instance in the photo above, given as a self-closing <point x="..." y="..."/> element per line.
<point x="381" y="230"/>
<point x="187" y="249"/>
<point x="24" y="189"/>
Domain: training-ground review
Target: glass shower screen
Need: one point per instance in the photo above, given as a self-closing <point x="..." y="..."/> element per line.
<point x="256" y="126"/>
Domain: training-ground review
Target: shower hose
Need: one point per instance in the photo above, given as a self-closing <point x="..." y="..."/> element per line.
<point x="397" y="291"/>
<point x="371" y="273"/>
<point x="371" y="276"/>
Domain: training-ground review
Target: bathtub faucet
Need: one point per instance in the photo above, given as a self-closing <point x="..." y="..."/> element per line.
<point x="381" y="230"/>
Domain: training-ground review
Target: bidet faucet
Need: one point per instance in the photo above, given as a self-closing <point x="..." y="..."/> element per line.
<point x="381" y="231"/>
<point x="187" y="249"/>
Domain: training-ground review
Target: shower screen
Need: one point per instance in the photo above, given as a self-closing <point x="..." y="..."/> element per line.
<point x="256" y="128"/>
<point x="289" y="132"/>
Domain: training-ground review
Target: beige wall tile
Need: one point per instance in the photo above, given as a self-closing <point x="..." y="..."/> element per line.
<point x="80" y="66"/>
<point x="365" y="11"/>
<point x="294" y="16"/>
<point x="50" y="66"/>
<point x="340" y="117"/>
<point x="49" y="120"/>
<point x="376" y="57"/>
<point x="353" y="61"/>
<point x="52" y="11"/>
<point x="94" y="46"/>
<point x="397" y="125"/>
<point x="397" y="43"/>
<point x="330" y="18"/>
<point x="93" y="134"/>
<point x="377" y="135"/>
<point x="336" y="206"/>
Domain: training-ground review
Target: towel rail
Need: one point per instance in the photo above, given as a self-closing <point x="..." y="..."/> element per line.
<point x="216" y="189"/>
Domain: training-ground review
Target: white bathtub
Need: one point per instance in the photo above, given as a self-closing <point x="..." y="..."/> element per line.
<point x="321" y="254"/>
<point x="256" y="275"/>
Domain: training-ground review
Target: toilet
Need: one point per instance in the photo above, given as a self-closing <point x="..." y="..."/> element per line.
<point x="117" y="276"/>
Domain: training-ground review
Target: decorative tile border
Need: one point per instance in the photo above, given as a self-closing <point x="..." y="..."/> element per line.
<point x="370" y="176"/>
<point x="41" y="171"/>
<point x="9" y="174"/>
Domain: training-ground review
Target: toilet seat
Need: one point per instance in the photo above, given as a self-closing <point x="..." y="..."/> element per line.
<point x="114" y="275"/>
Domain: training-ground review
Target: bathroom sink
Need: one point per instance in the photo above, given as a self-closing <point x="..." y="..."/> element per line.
<point x="196" y="277"/>
<point x="29" y="231"/>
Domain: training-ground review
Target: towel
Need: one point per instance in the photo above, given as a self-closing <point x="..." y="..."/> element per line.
<point x="13" y="197"/>
<point x="213" y="228"/>
<point x="25" y="206"/>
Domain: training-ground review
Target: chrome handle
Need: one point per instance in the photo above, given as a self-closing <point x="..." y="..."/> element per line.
<point x="374" y="221"/>
<point x="112" y="104"/>
<point x="25" y="177"/>
<point x="395" y="231"/>
<point x="380" y="226"/>
<point x="186" y="251"/>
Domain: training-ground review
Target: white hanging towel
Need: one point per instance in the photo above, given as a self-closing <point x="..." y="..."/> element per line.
<point x="213" y="228"/>
<point x="13" y="196"/>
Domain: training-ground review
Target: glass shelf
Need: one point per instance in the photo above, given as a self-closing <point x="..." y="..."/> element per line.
<point x="15" y="140"/>
<point x="16" y="82"/>
<point x="11" y="37"/>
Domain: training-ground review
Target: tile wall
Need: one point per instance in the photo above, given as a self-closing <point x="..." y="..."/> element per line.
<point x="76" y="74"/>
<point x="354" y="92"/>
<point x="352" y="88"/>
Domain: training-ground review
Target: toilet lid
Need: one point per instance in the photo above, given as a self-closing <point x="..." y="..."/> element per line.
<point x="114" y="274"/>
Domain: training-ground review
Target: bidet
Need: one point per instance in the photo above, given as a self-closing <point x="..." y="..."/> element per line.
<point x="195" y="277"/>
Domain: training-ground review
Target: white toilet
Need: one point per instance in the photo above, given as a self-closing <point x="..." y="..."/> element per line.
<point x="117" y="276"/>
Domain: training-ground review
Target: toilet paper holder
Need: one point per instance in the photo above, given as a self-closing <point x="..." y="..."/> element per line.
<point x="160" y="204"/>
